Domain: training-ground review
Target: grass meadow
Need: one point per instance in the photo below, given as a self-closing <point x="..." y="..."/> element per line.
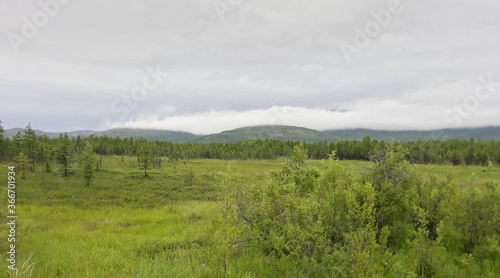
<point x="127" y="225"/>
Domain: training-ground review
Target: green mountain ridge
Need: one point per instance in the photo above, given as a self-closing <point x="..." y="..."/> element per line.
<point x="149" y="134"/>
<point x="480" y="133"/>
<point x="284" y="133"/>
<point x="10" y="133"/>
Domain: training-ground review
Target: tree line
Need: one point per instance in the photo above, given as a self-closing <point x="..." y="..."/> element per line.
<point x="36" y="150"/>
<point x="31" y="150"/>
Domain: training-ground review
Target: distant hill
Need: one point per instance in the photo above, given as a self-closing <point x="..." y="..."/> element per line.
<point x="483" y="133"/>
<point x="149" y="134"/>
<point x="13" y="131"/>
<point x="283" y="133"/>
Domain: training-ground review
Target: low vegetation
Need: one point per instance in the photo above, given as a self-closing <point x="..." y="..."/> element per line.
<point x="146" y="215"/>
<point x="300" y="218"/>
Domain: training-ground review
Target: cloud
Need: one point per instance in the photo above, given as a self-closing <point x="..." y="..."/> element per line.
<point x="264" y="54"/>
<point x="366" y="113"/>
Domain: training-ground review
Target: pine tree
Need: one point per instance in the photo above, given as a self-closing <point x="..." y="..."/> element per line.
<point x="21" y="163"/>
<point x="1" y="129"/>
<point x="48" y="168"/>
<point x="30" y="142"/>
<point x="145" y="158"/>
<point x="65" y="155"/>
<point x="88" y="164"/>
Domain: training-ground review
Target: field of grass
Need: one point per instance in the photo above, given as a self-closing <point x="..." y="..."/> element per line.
<point x="127" y="225"/>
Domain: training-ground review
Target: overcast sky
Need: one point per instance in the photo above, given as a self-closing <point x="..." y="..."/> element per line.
<point x="205" y="66"/>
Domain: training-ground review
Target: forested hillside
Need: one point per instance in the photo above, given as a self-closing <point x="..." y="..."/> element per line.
<point x="149" y="134"/>
<point x="284" y="133"/>
<point x="39" y="149"/>
<point x="481" y="133"/>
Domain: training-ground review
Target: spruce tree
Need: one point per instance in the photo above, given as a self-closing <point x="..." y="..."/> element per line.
<point x="145" y="158"/>
<point x="88" y="164"/>
<point x="65" y="155"/>
<point x="21" y="163"/>
<point x="30" y="143"/>
<point x="48" y="168"/>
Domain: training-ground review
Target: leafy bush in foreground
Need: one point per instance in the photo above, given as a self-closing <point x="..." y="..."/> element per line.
<point x="390" y="223"/>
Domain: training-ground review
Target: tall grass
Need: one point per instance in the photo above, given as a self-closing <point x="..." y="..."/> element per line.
<point x="126" y="225"/>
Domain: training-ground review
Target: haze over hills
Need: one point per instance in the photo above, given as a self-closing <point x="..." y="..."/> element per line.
<point x="284" y="133"/>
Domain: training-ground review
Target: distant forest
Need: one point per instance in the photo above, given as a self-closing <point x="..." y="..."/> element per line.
<point x="39" y="149"/>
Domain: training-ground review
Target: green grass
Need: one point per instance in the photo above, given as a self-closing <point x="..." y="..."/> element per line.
<point x="465" y="176"/>
<point x="71" y="242"/>
<point x="126" y="225"/>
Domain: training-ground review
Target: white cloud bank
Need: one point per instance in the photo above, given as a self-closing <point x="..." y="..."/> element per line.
<point x="369" y="113"/>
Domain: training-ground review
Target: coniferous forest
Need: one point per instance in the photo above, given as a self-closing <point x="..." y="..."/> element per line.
<point x="42" y="148"/>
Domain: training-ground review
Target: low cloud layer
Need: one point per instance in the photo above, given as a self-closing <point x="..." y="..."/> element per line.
<point x="367" y="113"/>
